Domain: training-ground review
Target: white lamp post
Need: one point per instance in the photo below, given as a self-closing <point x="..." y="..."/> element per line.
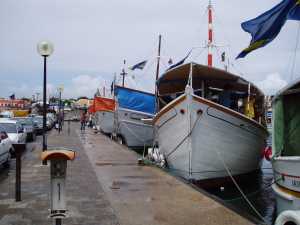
<point x="45" y="49"/>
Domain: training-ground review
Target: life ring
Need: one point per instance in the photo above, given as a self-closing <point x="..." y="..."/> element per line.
<point x="288" y="217"/>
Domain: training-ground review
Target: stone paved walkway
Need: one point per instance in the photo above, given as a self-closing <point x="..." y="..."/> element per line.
<point x="105" y="186"/>
<point x="86" y="201"/>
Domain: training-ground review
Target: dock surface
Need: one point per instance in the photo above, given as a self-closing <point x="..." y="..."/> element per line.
<point x="105" y="185"/>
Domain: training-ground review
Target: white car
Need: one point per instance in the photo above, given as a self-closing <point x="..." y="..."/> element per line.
<point x="5" y="149"/>
<point x="14" y="130"/>
<point x="6" y="114"/>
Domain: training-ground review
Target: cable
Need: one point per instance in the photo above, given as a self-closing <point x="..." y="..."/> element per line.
<point x="295" y="53"/>
<point x="255" y="192"/>
<point x="198" y="55"/>
<point x="239" y="188"/>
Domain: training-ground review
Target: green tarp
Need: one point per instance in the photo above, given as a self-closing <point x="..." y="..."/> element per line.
<point x="287" y="125"/>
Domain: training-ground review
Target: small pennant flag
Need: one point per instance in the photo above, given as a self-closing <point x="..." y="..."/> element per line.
<point x="139" y="66"/>
<point x="12" y="97"/>
<point x="180" y="62"/>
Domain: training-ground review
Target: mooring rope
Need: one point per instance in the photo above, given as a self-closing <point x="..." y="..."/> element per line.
<point x="239" y="188"/>
<point x="183" y="140"/>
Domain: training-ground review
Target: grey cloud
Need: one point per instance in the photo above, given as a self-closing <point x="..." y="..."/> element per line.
<point x="94" y="36"/>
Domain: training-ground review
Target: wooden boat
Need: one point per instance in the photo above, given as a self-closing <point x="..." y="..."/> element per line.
<point x="286" y="147"/>
<point x="132" y="106"/>
<point x="199" y="137"/>
<point x="104" y="114"/>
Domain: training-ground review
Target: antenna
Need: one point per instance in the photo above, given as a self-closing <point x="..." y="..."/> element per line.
<point x="210" y="35"/>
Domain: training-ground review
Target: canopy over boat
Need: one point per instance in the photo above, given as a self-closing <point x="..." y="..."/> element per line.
<point x="135" y="100"/>
<point x="286" y="116"/>
<point x="102" y="104"/>
<point x="176" y="79"/>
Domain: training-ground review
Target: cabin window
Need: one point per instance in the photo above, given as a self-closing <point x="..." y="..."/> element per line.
<point x="236" y="100"/>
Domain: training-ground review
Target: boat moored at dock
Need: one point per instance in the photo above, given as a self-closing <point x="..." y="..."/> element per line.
<point x="104" y="115"/>
<point x="286" y="148"/>
<point x="132" y="107"/>
<point x="199" y="136"/>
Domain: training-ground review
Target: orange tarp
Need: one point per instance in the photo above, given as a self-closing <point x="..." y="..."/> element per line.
<point x="102" y="104"/>
<point x="91" y="109"/>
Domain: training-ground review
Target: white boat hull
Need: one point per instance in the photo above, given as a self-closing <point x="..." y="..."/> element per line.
<point x="287" y="182"/>
<point x="199" y="140"/>
<point x="132" y="129"/>
<point x="285" y="200"/>
<point x="286" y="172"/>
<point x="105" y="121"/>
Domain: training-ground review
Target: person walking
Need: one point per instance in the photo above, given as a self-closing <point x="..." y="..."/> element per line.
<point x="83" y="121"/>
<point x="60" y="121"/>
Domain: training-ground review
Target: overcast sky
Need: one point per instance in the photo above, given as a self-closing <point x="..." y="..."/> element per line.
<point x="92" y="37"/>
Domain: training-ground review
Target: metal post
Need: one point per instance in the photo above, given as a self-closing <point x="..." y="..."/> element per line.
<point x="210" y="36"/>
<point x="69" y="127"/>
<point x="45" y="107"/>
<point x="18" y="176"/>
<point x="19" y="148"/>
<point x="123" y="74"/>
<point x="59" y="113"/>
<point x="58" y="221"/>
<point x="157" y="72"/>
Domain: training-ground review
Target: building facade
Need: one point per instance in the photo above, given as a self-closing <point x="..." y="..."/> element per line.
<point x="13" y="104"/>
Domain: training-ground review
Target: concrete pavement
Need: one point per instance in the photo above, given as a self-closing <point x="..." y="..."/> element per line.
<point x="106" y="186"/>
<point x="86" y="199"/>
<point x="146" y="194"/>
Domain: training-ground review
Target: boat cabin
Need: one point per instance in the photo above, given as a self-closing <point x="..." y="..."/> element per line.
<point x="286" y="125"/>
<point x="216" y="85"/>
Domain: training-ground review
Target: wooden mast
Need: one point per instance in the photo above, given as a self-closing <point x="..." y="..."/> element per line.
<point x="157" y="70"/>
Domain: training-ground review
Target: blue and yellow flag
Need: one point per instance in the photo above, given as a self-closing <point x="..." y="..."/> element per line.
<point x="267" y="26"/>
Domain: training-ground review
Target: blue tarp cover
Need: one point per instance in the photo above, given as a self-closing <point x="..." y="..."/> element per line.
<point x="135" y="100"/>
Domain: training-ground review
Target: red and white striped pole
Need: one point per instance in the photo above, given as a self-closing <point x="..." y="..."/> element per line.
<point x="210" y="35"/>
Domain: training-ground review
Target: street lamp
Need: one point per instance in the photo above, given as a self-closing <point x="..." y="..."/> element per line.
<point x="60" y="117"/>
<point x="45" y="49"/>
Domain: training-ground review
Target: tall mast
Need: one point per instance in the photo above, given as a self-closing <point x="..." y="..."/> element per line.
<point x="158" y="57"/>
<point x="157" y="70"/>
<point x="123" y="74"/>
<point x="210" y="35"/>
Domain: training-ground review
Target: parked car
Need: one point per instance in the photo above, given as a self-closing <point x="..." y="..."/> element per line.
<point x="14" y="130"/>
<point x="28" y="126"/>
<point x="6" y="114"/>
<point x="51" y="120"/>
<point x="5" y="149"/>
<point x="38" y="124"/>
